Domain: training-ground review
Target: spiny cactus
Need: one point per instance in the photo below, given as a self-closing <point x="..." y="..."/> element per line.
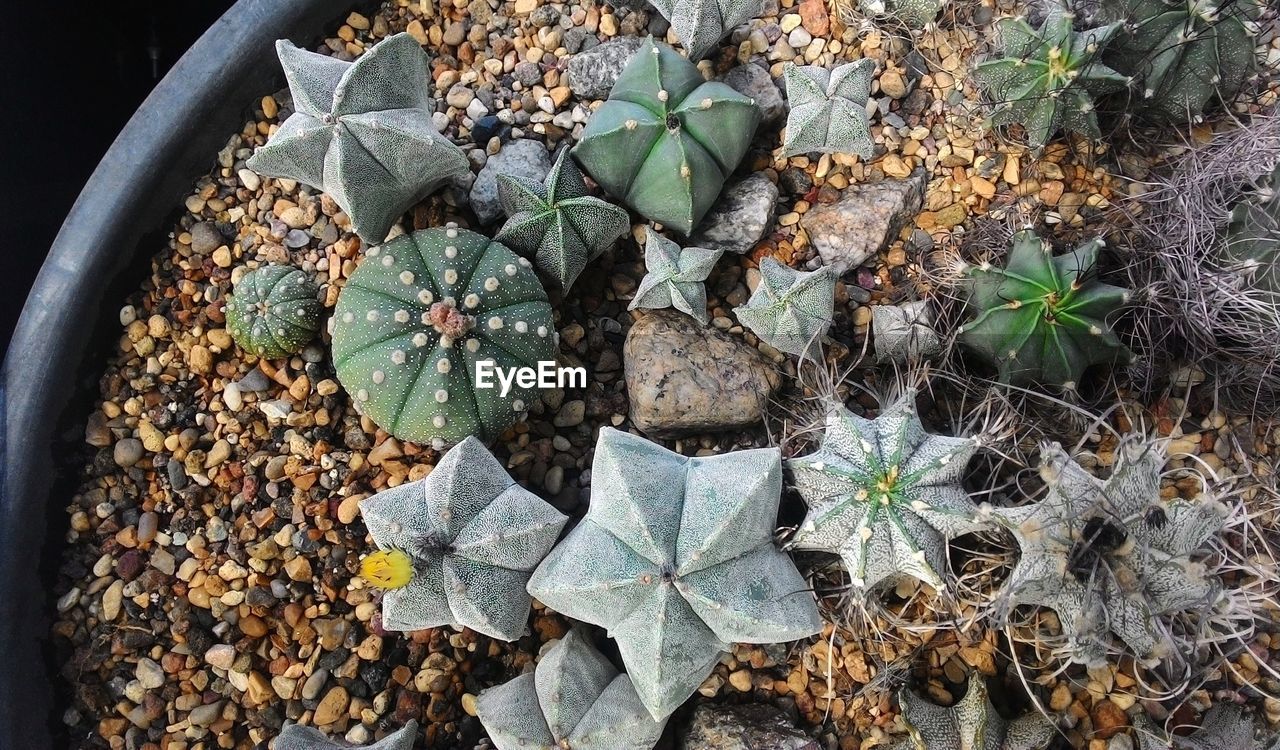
<point x="468" y="536"/>
<point x="972" y="724"/>
<point x="829" y="109"/>
<point x="418" y="315"/>
<point x="1223" y="727"/>
<point x="1110" y="556"/>
<point x="1043" y="318"/>
<point x="913" y="13"/>
<point x="885" y="495"/>
<point x="1184" y="54"/>
<point x="905" y="332"/>
<point x="790" y="309"/>
<point x="701" y="24"/>
<point x="676" y="558"/>
<point x="557" y="221"/>
<point x="667" y="139"/>
<point x="274" y="311"/>
<point x="299" y="737"/>
<point x="1252" y="240"/>
<point x="1046" y="79"/>
<point x="573" y="699"/>
<point x="675" y="277"/>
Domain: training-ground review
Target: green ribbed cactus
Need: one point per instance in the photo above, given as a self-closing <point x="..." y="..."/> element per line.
<point x="417" y="317"/>
<point x="913" y="13"/>
<point x="790" y="310"/>
<point x="972" y="724"/>
<point x="667" y="139"/>
<point x="299" y="737"/>
<point x="829" y="109"/>
<point x="1043" y="318"/>
<point x="274" y="311"/>
<point x="1252" y="238"/>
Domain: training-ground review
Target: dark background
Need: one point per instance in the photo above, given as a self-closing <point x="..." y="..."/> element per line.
<point x="72" y="75"/>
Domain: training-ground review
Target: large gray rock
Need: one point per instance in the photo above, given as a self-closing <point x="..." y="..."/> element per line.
<point x="593" y="73"/>
<point x="866" y="219"/>
<point x="740" y="217"/>
<point x="522" y="158"/>
<point x="684" y="377"/>
<point x="752" y="726"/>
<point x="754" y="81"/>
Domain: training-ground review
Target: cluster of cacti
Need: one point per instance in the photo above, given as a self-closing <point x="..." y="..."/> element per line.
<point x="674" y="277"/>
<point x="1043" y="318"/>
<point x="829" y="109"/>
<point x="417" y="318"/>
<point x="557" y="221"/>
<point x="1251" y="242"/>
<point x="701" y="24"/>
<point x="1222" y="727"/>
<point x="458" y="546"/>
<point x="676" y="559"/>
<point x="913" y="13"/>
<point x="667" y="139"/>
<point x="973" y="723"/>
<point x="362" y="132"/>
<point x="274" y="311"/>
<point x="790" y="310"/>
<point x="904" y="333"/>
<point x="299" y="737"/>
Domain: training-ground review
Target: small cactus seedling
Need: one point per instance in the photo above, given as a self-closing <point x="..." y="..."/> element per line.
<point x="675" y="277"/>
<point x="790" y="309"/>
<point x="972" y="724"/>
<point x="458" y="546"/>
<point x="299" y="737"/>
<point x="274" y="311"/>
<point x="676" y="558"/>
<point x="362" y="132"/>
<point x="1224" y="727"/>
<point x="418" y="315"/>
<point x="1110" y="556"/>
<point x="667" y="139"/>
<point x="557" y="222"/>
<point x="829" y="109"/>
<point x="885" y="495"/>
<point x="1044" y="319"/>
<point x="1046" y="79"/>
<point x="904" y="333"/>
<point x="1252" y="240"/>
<point x="914" y="13"/>
<point x="701" y="24"/>
<point x="573" y="699"/>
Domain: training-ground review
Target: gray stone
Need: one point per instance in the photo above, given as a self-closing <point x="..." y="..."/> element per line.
<point x="205" y="238"/>
<point x="751" y="726"/>
<point x="683" y="377"/>
<point x="521" y="158"/>
<point x="127" y="452"/>
<point x="754" y="81"/>
<point x="903" y="333"/>
<point x="740" y="217"/>
<point x="593" y="73"/>
<point x="528" y="73"/>
<point x="205" y="715"/>
<point x="866" y="219"/>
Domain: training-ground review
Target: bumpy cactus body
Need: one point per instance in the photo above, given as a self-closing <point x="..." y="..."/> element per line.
<point x="419" y="314"/>
<point x="675" y="277"/>
<point x="1223" y="726"/>
<point x="299" y="737"/>
<point x="829" y="109"/>
<point x="362" y="132"/>
<point x="790" y="310"/>
<point x="913" y="13"/>
<point x="573" y="699"/>
<point x="904" y="333"/>
<point x="701" y="24"/>
<point x="972" y="724"/>
<point x="1252" y="241"/>
<point x="274" y="311"/>
<point x="676" y="559"/>
<point x="667" y="139"/>
<point x="472" y="536"/>
<point x="1043" y="318"/>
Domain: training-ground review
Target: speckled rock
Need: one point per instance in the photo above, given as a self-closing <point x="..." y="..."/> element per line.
<point x="753" y="726"/>
<point x="865" y="220"/>
<point x="754" y="81"/>
<point x="592" y="73"/>
<point x="740" y="217"/>
<point x="525" y="157"/>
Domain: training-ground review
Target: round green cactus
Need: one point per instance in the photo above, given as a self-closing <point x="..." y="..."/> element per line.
<point x="418" y="321"/>
<point x="273" y="311"/>
<point x="1253" y="235"/>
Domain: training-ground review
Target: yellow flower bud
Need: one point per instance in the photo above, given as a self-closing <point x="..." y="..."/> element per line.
<point x="387" y="569"/>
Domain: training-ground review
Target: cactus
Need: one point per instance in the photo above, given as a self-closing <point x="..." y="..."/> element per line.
<point x="914" y="13"/>
<point x="829" y="109"/>
<point x="676" y="558"/>
<point x="1224" y="727"/>
<point x="904" y="333"/>
<point x="418" y="315"/>
<point x="885" y="495"/>
<point x="1047" y="79"/>
<point x="299" y="737"/>
<point x="666" y="139"/>
<point x="557" y="222"/>
<point x="362" y="132"/>
<point x="1252" y="239"/>
<point x="675" y="277"/>
<point x="790" y="309"/>
<point x="701" y="24"/>
<point x="972" y="724"/>
<point x="471" y="536"/>
<point x="574" y="699"/>
<point x="1044" y="319"/>
<point x="273" y="311"/>
<point x="1110" y="556"/>
<point x="1184" y="54"/>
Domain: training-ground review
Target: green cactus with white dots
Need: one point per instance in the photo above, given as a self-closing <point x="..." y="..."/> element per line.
<point x="273" y="311"/>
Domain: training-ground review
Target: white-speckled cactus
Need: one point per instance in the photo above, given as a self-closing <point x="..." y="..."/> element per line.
<point x="299" y="737"/>
<point x="904" y="333"/>
<point x="913" y="13"/>
<point x="458" y="546"/>
<point x="829" y="109"/>
<point x="417" y="317"/>
<point x="972" y="724"/>
<point x="885" y="495"/>
<point x="676" y="558"/>
<point x="701" y="24"/>
<point x="574" y="699"/>
<point x="674" y="277"/>
<point x="790" y="309"/>
<point x="274" y="311"/>
<point x="1224" y="727"/>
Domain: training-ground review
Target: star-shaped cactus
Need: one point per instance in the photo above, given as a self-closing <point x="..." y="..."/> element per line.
<point x="790" y="309"/>
<point x="471" y="536"/>
<point x="362" y="132"/>
<point x="557" y="221"/>
<point x="676" y="559"/>
<point x="573" y="699"/>
<point x="299" y="737"/>
<point x="674" y="277"/>
<point x="904" y="333"/>
<point x="913" y="13"/>
<point x="1110" y="556"/>
<point x="701" y="24"/>
<point x="1224" y="727"/>
<point x="971" y="724"/>
<point x="885" y="495"/>
<point x="829" y="109"/>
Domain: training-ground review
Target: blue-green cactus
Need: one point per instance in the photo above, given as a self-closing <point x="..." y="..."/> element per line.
<point x="274" y="311"/>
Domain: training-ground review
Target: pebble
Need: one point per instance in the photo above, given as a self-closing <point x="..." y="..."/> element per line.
<point x="571" y="414"/>
<point x="332" y="706"/>
<point x="740" y="217"/>
<point x="112" y="599"/>
<point x="205" y="238"/>
<point x="754" y="81"/>
<point x="127" y="452"/>
<point x="864" y="221"/>
<point x="522" y="158"/>
<point x="592" y="73"/>
<point x="149" y="673"/>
